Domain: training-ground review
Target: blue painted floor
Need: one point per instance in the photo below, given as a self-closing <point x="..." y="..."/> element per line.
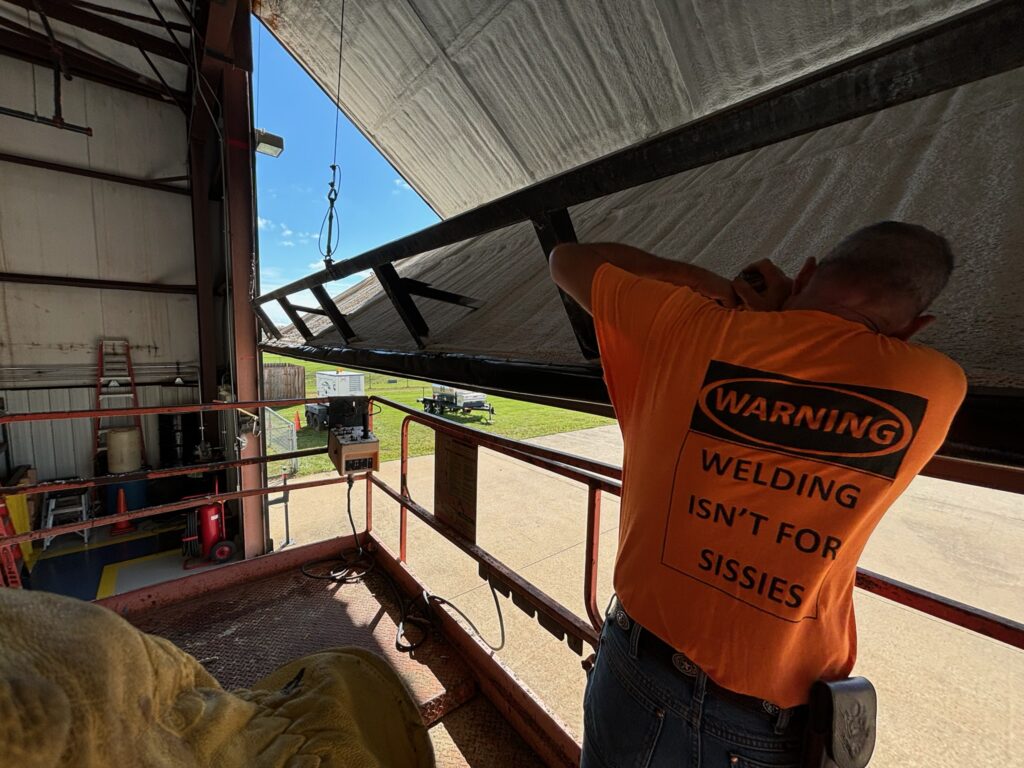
<point x="78" y="574"/>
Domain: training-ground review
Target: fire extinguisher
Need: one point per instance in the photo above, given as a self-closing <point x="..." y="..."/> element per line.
<point x="205" y="536"/>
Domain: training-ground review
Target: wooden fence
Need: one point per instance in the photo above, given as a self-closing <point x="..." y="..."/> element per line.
<point x="283" y="381"/>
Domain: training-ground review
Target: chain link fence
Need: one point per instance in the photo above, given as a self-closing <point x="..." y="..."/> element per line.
<point x="282" y="437"/>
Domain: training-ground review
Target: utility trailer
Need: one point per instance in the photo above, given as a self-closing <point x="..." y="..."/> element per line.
<point x="445" y="399"/>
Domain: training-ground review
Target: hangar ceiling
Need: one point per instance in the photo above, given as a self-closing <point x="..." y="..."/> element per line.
<point x="472" y="100"/>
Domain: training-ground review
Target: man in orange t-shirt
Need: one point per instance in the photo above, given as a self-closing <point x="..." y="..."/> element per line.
<point x="765" y="433"/>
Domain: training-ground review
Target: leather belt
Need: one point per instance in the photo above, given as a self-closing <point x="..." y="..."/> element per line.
<point x="654" y="645"/>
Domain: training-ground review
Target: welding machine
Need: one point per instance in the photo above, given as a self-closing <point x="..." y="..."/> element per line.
<point x="350" y="443"/>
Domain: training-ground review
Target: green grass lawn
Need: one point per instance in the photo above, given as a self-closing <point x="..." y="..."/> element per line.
<point x="512" y="418"/>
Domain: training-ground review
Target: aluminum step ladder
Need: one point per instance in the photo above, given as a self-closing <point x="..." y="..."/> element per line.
<point x="61" y="506"/>
<point x="115" y="389"/>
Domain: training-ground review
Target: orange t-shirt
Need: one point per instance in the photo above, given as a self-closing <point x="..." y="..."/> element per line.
<point x="761" y="450"/>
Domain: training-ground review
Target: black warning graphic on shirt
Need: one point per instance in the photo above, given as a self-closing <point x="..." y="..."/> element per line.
<point x="863" y="428"/>
<point x="774" y="478"/>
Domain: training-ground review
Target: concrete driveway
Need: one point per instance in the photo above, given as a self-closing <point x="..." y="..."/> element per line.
<point x="947" y="697"/>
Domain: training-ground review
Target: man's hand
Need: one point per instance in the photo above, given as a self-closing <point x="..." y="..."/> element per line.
<point x="777" y="287"/>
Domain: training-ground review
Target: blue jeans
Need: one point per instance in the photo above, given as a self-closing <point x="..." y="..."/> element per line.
<point x="641" y="711"/>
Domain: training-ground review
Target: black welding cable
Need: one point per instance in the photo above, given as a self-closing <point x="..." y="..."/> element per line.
<point x="354" y="565"/>
<point x="472" y="626"/>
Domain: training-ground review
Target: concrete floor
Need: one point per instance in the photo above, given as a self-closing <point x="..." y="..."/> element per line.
<point x="947" y="697"/>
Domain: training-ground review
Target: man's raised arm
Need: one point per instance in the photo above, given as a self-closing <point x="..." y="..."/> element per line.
<point x="573" y="266"/>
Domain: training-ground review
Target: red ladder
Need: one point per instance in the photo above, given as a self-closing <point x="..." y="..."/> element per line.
<point x="113" y="368"/>
<point x="10" y="554"/>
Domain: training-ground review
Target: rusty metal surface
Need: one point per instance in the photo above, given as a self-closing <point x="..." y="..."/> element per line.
<point x="244" y="632"/>
<point x="476" y="736"/>
<point x="531" y="719"/>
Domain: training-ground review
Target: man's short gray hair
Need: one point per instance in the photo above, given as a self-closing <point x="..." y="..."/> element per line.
<point x="894" y="257"/>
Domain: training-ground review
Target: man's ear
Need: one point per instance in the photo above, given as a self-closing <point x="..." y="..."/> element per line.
<point x="803" y="277"/>
<point x="915" y="326"/>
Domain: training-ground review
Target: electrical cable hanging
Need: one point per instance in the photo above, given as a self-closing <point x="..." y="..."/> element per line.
<point x="354" y="565"/>
<point x="332" y="188"/>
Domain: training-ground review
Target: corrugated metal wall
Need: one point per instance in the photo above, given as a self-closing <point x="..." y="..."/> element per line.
<point x="64" y="448"/>
<point x="55" y="223"/>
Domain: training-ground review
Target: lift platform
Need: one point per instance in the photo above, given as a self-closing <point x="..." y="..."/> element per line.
<point x="246" y="618"/>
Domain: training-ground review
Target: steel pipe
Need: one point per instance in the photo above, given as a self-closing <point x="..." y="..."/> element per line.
<point x="984" y="623"/>
<point x="177" y="506"/>
<point x="95" y="283"/>
<point x="153" y="474"/>
<point x="150" y="410"/>
<point x="92" y="174"/>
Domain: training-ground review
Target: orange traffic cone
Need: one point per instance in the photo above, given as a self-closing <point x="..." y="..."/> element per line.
<point x="121" y="526"/>
<point x="298" y="424"/>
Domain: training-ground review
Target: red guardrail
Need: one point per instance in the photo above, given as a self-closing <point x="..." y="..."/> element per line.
<point x="597" y="477"/>
<point x="601" y="478"/>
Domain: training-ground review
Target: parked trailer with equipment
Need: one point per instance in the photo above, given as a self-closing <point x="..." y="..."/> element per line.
<point x="454" y="400"/>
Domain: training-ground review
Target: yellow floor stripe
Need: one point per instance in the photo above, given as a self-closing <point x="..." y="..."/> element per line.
<point x="59" y="552"/>
<point x="108" y="582"/>
<point x="108" y="579"/>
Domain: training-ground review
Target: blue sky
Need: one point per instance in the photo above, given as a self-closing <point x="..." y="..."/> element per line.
<point x="374" y="204"/>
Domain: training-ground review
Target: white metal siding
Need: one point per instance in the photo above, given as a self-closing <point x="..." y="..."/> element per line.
<point x="54" y="223"/>
<point x="64" y="448"/>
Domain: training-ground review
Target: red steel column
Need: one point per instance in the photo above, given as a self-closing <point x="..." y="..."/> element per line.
<point x="239" y="178"/>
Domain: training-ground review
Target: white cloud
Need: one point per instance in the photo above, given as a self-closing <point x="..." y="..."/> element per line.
<point x="315" y="265"/>
<point x="287" y="243"/>
<point x="263" y="223"/>
<point x="285" y="232"/>
<point x="401" y="184"/>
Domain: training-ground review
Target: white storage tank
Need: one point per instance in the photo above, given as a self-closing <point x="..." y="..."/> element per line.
<point x="340" y="383"/>
<point x="124" y="450"/>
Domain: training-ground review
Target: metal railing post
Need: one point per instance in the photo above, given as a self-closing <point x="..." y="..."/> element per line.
<point x="403" y="524"/>
<point x="593" y="540"/>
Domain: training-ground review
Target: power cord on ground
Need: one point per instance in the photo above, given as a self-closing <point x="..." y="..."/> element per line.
<point x="354" y="564"/>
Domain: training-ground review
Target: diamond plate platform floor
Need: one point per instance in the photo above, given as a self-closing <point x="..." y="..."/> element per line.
<point x="243" y="633"/>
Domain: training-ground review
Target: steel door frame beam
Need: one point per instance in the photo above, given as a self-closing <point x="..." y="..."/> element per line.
<point x="96" y="283"/>
<point x="93" y="174"/>
<point x="28" y="45"/>
<point x="556" y="227"/>
<point x="76" y="16"/>
<point x="981" y="448"/>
